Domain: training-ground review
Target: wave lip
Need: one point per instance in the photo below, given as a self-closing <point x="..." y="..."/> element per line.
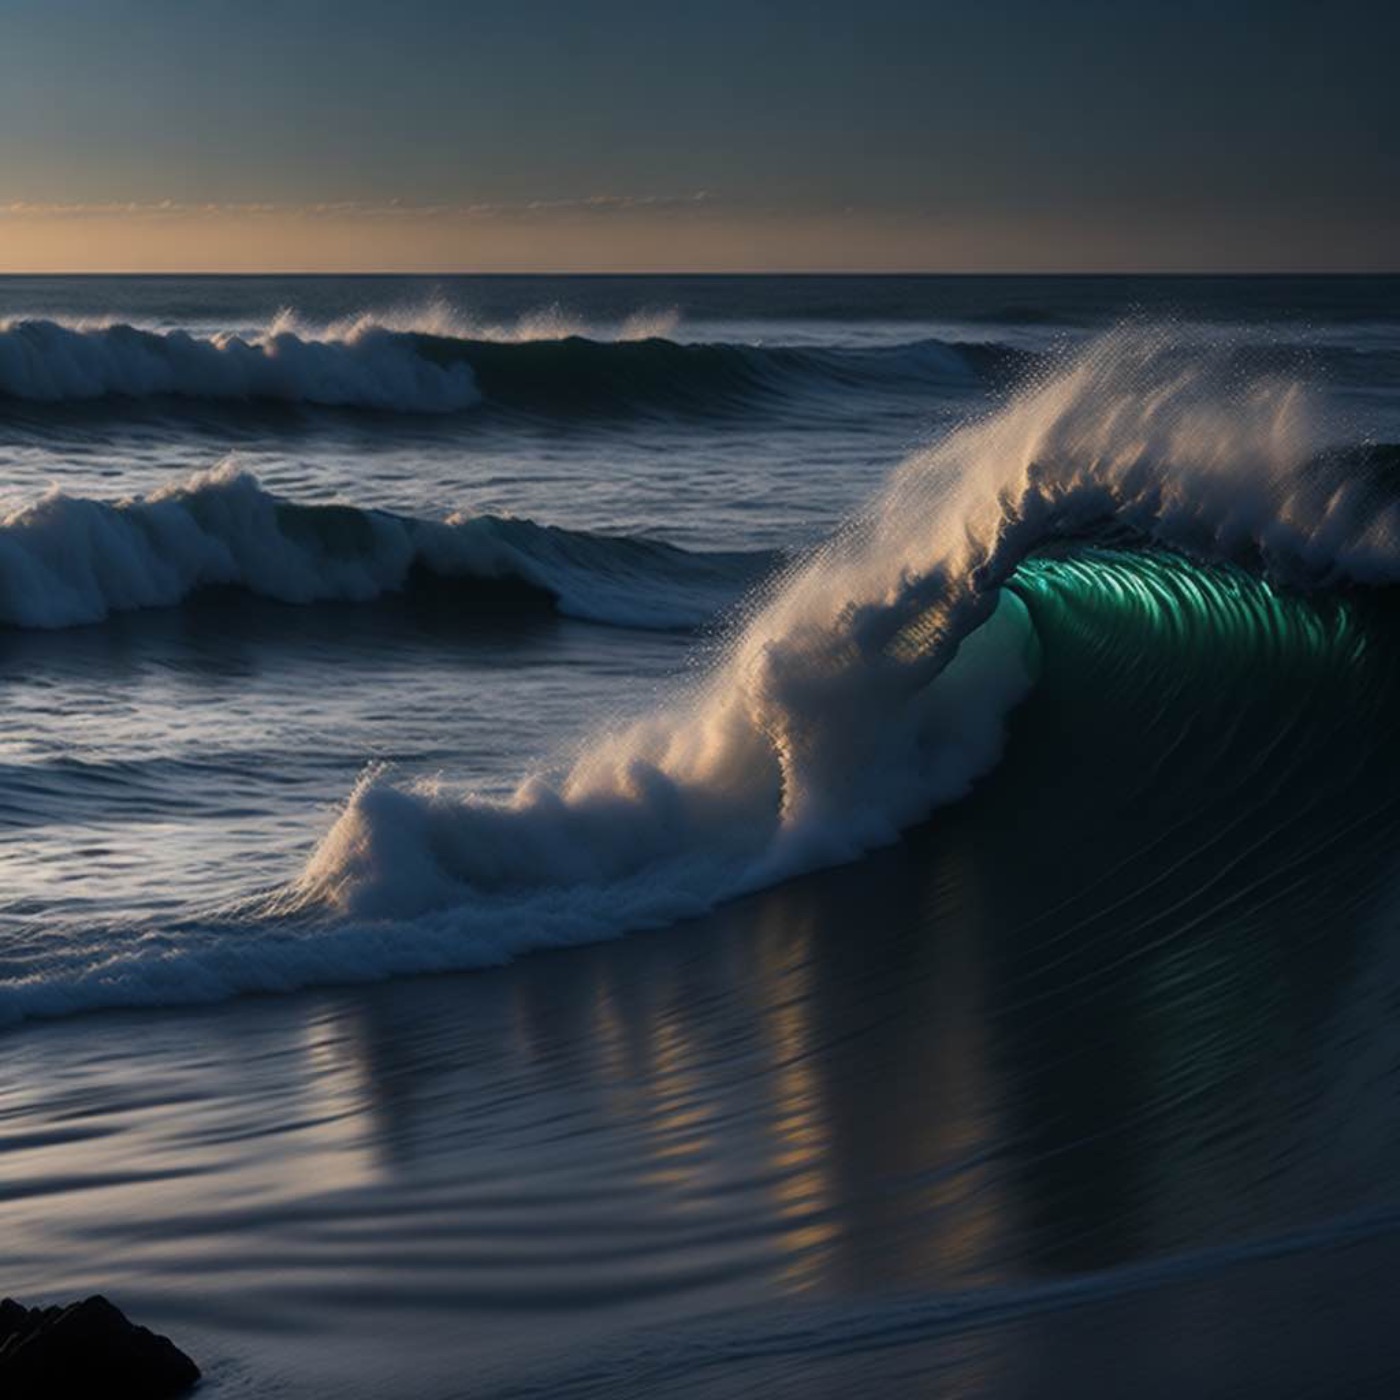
<point x="870" y="686"/>
<point x="367" y="367"/>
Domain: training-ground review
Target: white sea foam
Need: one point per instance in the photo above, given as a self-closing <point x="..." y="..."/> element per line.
<point x="365" y="365"/>
<point x="370" y="360"/>
<point x="430" y="360"/>
<point x="68" y="560"/>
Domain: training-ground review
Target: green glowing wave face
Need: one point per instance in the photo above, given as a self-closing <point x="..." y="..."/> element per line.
<point x="1104" y="597"/>
<point x="1175" y="659"/>
<point x="1206" y="740"/>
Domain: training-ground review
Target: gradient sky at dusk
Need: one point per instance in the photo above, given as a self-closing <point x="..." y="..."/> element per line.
<point x="618" y="135"/>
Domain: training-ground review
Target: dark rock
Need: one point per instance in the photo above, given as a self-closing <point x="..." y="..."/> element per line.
<point x="86" y="1351"/>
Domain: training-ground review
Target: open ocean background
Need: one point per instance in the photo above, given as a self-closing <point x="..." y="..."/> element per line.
<point x="905" y="767"/>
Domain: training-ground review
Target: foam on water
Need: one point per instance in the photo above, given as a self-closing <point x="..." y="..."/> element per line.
<point x="371" y="361"/>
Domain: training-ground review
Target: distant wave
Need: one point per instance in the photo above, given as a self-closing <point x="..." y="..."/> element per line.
<point x="68" y="560"/>
<point x="577" y="376"/>
<point x="370" y="367"/>
<point x="376" y="365"/>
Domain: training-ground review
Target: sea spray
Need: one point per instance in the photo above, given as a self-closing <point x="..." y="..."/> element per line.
<point x="836" y="715"/>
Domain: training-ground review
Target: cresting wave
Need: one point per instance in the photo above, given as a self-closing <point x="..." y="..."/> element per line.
<point x="367" y="367"/>
<point x="66" y="560"/>
<point x="427" y="366"/>
<point x="863" y="688"/>
<point x="870" y="686"/>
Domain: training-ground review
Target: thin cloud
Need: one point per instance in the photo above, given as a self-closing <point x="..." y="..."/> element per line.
<point x="594" y="204"/>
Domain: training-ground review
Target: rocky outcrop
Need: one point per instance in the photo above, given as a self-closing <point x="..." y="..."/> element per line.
<point x="86" y="1350"/>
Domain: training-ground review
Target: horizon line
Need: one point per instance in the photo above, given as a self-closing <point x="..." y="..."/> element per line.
<point x="716" y="273"/>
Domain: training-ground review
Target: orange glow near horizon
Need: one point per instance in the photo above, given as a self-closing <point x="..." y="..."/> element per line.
<point x="625" y="238"/>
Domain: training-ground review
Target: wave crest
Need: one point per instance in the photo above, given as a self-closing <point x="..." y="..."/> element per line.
<point x="368" y="366"/>
<point x="870" y="685"/>
<point x="67" y="560"/>
<point x="867" y="685"/>
<point x="435" y="365"/>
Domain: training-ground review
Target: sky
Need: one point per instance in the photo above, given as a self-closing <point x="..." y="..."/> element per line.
<point x="698" y="135"/>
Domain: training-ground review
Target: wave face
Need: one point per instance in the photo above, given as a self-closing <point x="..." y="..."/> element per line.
<point x="424" y="366"/>
<point x="861" y="689"/>
<point x="66" y="561"/>
<point x="578" y="377"/>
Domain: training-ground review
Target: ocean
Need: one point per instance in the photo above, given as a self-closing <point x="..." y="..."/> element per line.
<point x="706" y="836"/>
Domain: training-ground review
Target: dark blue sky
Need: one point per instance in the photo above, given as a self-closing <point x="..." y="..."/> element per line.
<point x="1075" y="134"/>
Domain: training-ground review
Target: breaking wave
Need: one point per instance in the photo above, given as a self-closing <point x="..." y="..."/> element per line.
<point x="544" y="368"/>
<point x="1138" y="491"/>
<point x="870" y="686"/>
<point x="368" y="367"/>
<point x="66" y="560"/>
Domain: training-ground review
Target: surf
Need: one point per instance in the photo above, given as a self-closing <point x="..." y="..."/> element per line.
<point x="869" y="684"/>
<point x="68" y="561"/>
<point x="46" y="361"/>
<point x="1177" y="519"/>
<point x="438" y="365"/>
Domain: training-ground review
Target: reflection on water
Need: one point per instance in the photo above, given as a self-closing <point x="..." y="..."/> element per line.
<point x="336" y="1132"/>
<point x="801" y="1159"/>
